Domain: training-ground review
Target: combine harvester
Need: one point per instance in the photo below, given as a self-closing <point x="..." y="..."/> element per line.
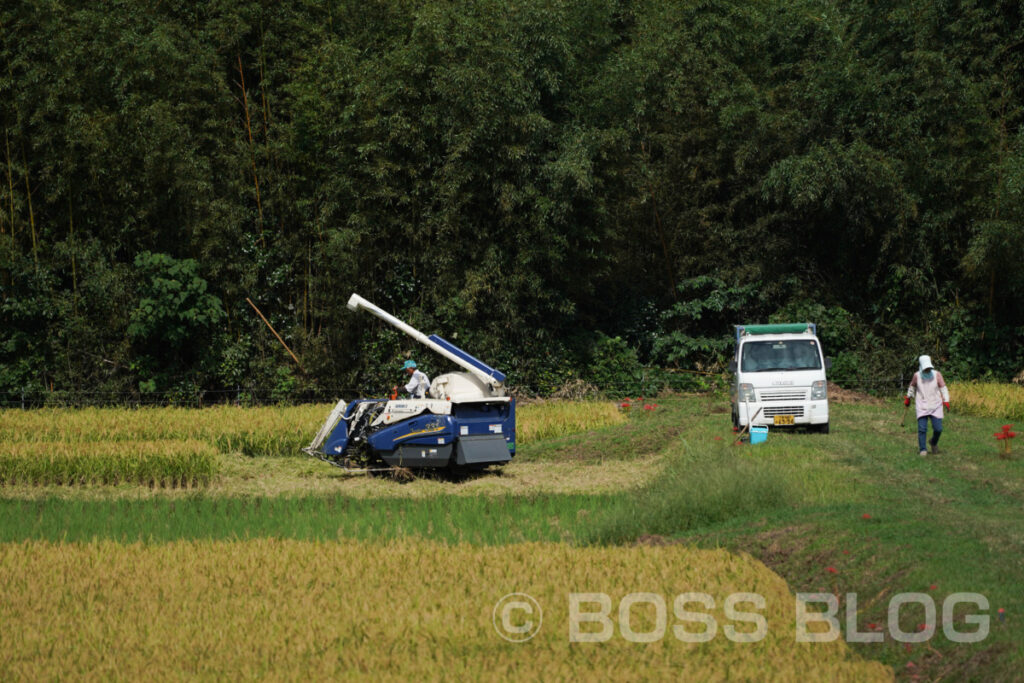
<point x="465" y="423"/>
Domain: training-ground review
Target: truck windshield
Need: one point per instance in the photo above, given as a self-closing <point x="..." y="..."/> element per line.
<point x="791" y="354"/>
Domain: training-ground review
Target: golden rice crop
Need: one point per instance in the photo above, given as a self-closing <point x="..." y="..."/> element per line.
<point x="537" y="421"/>
<point x="304" y="610"/>
<point x="264" y="430"/>
<point x="157" y="463"/>
<point x="257" y="431"/>
<point x="989" y="399"/>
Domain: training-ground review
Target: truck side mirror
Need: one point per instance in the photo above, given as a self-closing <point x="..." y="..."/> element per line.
<point x="828" y="363"/>
<point x="732" y="365"/>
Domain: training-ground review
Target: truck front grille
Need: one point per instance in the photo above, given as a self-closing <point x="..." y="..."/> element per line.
<point x="795" y="411"/>
<point x="783" y="395"/>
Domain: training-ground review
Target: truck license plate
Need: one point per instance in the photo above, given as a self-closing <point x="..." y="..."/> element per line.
<point x="783" y="419"/>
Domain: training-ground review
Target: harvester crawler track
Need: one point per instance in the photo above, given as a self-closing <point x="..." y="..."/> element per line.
<point x="346" y="463"/>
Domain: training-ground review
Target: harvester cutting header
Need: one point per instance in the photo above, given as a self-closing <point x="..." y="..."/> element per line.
<point x="465" y="421"/>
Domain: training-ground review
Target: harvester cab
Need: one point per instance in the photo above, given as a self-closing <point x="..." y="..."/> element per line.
<point x="465" y="422"/>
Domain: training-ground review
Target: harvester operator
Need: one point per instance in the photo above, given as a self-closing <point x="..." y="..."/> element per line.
<point x="419" y="383"/>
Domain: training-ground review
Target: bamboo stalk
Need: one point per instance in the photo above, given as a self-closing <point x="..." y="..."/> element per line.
<point x="263" y="91"/>
<point x="661" y="232"/>
<point x="10" y="183"/>
<point x="31" y="213"/>
<point x="307" y="317"/>
<point x="74" y="266"/>
<point x="258" y="312"/>
<point x="252" y="153"/>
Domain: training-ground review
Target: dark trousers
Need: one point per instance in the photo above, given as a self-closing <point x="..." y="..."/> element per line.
<point x="922" y="430"/>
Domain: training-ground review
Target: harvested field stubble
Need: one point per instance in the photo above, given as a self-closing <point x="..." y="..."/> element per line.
<point x="247" y="609"/>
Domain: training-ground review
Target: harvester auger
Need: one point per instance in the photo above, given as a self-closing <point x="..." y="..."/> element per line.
<point x="466" y="421"/>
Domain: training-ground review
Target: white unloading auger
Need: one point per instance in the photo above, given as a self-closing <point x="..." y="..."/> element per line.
<point x="489" y="376"/>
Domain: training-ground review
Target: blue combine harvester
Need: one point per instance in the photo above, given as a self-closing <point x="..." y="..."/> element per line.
<point x="466" y="421"/>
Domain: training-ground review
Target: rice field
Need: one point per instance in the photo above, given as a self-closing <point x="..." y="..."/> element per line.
<point x="550" y="419"/>
<point x="398" y="610"/>
<point x="284" y="567"/>
<point x="183" y="447"/>
<point x="165" y="464"/>
<point x="267" y="430"/>
<point x="1000" y="401"/>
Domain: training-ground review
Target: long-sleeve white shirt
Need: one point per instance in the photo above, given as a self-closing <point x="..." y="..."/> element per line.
<point x="418" y="385"/>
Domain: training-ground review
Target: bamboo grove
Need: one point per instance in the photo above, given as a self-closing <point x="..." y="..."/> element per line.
<point x="571" y="189"/>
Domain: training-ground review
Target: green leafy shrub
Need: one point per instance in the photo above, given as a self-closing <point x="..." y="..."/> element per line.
<point x="614" y="367"/>
<point x="697" y="330"/>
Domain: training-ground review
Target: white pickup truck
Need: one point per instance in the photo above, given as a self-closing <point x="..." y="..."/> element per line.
<point x="779" y="377"/>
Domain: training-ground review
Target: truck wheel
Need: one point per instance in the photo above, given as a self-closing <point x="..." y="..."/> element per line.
<point x="823" y="429"/>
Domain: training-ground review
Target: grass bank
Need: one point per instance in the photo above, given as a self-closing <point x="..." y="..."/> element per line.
<point x="875" y="520"/>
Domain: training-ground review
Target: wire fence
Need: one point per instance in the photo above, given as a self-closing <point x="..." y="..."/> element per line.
<point x="664" y="383"/>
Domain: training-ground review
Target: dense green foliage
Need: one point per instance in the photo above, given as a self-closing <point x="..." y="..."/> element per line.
<point x="535" y="180"/>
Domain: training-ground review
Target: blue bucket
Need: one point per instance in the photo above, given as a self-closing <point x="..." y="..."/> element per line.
<point x="758" y="434"/>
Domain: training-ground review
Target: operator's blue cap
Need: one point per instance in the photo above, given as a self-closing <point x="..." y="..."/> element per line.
<point x="409" y="364"/>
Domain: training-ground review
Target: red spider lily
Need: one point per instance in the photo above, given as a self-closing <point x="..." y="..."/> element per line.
<point x="865" y="516"/>
<point x="933" y="587"/>
<point x="718" y="438"/>
<point x="1004" y="437"/>
<point x="831" y="570"/>
<point x="872" y="626"/>
<point x="1006" y="433"/>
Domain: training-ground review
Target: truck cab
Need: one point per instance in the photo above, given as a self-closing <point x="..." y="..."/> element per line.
<point x="779" y="377"/>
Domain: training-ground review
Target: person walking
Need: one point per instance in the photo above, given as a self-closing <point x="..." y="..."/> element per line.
<point x="931" y="396"/>
<point x="419" y="383"/>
